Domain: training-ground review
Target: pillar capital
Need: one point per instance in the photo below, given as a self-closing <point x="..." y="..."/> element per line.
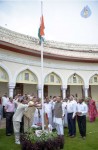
<point x="11" y="85"/>
<point x="63" y="87"/>
<point x="39" y="87"/>
<point x="86" y="86"/>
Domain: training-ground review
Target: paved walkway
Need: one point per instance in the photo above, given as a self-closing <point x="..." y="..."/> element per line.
<point x="2" y="123"/>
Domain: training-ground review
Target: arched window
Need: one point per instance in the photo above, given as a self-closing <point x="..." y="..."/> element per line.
<point x="3" y="75"/>
<point x="94" y="80"/>
<point x="75" y="80"/>
<point x="27" y="76"/>
<point x="53" y="79"/>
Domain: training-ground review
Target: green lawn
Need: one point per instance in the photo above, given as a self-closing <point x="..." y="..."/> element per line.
<point x="7" y="142"/>
<point x="90" y="143"/>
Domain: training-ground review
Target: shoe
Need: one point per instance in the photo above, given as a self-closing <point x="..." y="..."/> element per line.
<point x="72" y="136"/>
<point x="84" y="137"/>
<point x="8" y="134"/>
<point x="17" y="142"/>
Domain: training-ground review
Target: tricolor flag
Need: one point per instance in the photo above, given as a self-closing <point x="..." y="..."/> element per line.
<point x="41" y="29"/>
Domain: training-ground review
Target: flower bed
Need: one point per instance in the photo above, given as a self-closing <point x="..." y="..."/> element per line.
<point x="46" y="141"/>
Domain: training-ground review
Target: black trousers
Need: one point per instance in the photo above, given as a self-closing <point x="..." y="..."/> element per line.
<point x="71" y="124"/>
<point x="22" y="125"/>
<point x="82" y="125"/>
<point x="4" y="113"/>
<point x="9" y="122"/>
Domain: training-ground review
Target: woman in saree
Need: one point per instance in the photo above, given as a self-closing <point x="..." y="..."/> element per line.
<point x="92" y="110"/>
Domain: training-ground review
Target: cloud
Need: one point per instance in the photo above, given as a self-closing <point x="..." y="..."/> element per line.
<point x="63" y="21"/>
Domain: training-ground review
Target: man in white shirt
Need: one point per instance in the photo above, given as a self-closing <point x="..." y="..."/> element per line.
<point x="71" y="116"/>
<point x="9" y="109"/>
<point x="82" y="110"/>
<point x="5" y="99"/>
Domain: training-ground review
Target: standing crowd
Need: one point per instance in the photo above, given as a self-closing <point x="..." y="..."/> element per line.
<point x="23" y="112"/>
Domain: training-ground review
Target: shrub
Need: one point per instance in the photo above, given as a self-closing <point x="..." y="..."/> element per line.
<point x="46" y="140"/>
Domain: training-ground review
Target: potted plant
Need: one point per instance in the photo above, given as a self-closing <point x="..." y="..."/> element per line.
<point x="41" y="140"/>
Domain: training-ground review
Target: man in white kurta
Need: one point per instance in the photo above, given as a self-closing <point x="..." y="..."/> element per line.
<point x="17" y="118"/>
<point x="37" y="116"/>
<point x="65" y="109"/>
<point x="48" y="111"/>
<point x="59" y="116"/>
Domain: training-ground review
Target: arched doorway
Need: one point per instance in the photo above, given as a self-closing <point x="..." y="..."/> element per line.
<point x="75" y="86"/>
<point x="52" y="85"/>
<point x="4" y="79"/>
<point x="26" y="83"/>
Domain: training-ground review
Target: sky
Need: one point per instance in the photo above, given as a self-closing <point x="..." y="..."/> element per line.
<point x="62" y="19"/>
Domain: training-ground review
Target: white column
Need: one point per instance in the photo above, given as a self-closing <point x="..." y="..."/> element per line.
<point x="63" y="88"/>
<point x="86" y="87"/>
<point x="11" y="89"/>
<point x="39" y="91"/>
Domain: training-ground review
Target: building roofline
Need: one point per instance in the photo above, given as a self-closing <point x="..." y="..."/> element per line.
<point x="27" y="51"/>
<point x="28" y="45"/>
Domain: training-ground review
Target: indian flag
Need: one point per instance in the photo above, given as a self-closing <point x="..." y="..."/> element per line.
<point x="41" y="29"/>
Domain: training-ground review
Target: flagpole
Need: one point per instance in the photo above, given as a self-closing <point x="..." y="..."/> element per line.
<point x="42" y="84"/>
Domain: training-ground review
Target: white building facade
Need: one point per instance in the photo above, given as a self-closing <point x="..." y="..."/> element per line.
<point x="68" y="68"/>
